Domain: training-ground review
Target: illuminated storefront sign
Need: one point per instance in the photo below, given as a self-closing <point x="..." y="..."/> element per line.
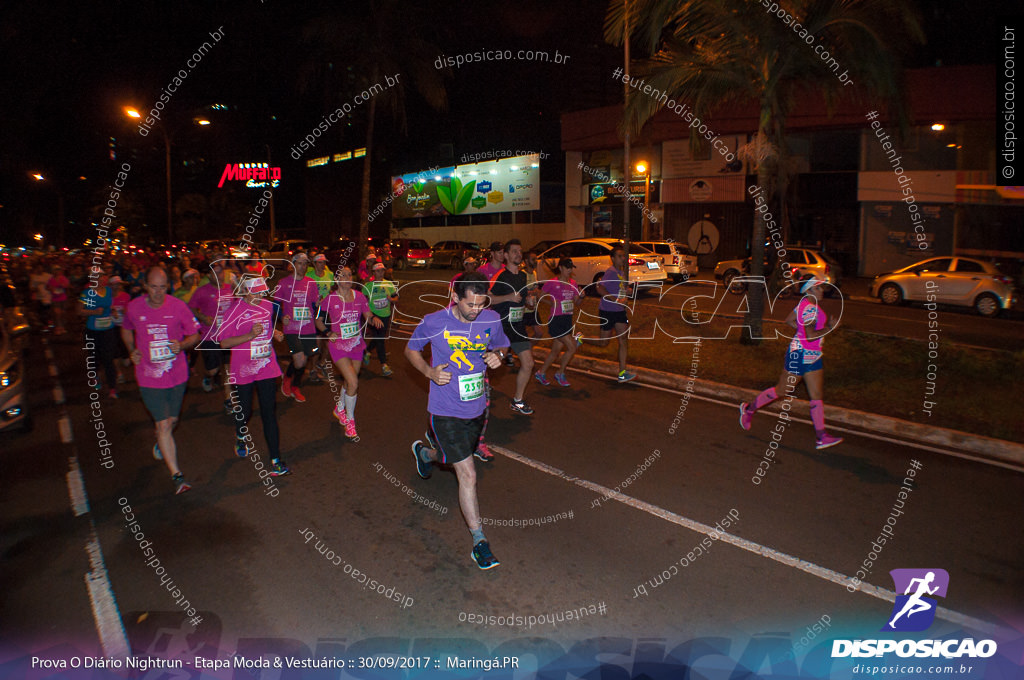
<point x="255" y="175"/>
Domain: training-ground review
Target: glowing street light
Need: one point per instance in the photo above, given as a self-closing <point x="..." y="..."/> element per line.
<point x="132" y="112"/>
<point x="39" y="177"/>
<point x="642" y="168"/>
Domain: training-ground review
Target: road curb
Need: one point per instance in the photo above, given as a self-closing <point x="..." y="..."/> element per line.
<point x="990" y="448"/>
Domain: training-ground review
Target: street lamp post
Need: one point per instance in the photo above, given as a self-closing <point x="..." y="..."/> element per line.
<point x="60" y="206"/>
<point x="645" y="223"/>
<point x="134" y="113"/>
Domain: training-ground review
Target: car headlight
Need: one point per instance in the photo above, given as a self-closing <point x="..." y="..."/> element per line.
<point x="9" y="377"/>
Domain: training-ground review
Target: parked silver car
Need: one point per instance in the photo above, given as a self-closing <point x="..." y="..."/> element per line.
<point x="961" y="281"/>
<point x="678" y="260"/>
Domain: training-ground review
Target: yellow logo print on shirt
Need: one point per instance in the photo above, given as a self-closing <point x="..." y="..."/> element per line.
<point x="460" y="345"/>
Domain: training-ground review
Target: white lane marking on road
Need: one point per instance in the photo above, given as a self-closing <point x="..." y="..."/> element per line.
<point x="64" y="427"/>
<point x="742" y="543"/>
<point x="101" y="593"/>
<point x="104" y="605"/>
<point x="76" y="488"/>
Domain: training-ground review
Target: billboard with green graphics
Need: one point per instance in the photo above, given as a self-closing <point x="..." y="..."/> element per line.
<point x="503" y="185"/>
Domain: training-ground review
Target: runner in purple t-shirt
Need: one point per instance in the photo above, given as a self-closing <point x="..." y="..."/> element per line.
<point x="565" y="295"/>
<point x="157" y="329"/>
<point x="465" y="340"/>
<point x="613" y="289"/>
<point x="299" y="296"/>
<point x="346" y="311"/>
<point x="248" y="332"/>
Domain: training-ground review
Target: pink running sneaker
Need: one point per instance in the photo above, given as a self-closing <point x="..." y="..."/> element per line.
<point x="826" y="440"/>
<point x="746" y="416"/>
<point x="350" y="429"/>
<point x="560" y="379"/>
<point x="341" y="414"/>
<point x="483" y="453"/>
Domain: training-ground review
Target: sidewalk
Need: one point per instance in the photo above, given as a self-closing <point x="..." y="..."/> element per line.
<point x="997" y="451"/>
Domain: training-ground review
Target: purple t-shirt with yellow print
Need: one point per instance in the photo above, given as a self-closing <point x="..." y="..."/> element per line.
<point x="461" y="345"/>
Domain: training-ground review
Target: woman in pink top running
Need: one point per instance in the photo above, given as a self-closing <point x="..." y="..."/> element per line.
<point x="803" y="362"/>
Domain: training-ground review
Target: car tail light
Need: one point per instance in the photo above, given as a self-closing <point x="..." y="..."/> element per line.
<point x="827" y="268"/>
<point x="635" y="262"/>
<point x="1004" y="280"/>
<point x="675" y="259"/>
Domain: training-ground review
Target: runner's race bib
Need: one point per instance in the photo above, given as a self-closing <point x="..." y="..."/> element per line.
<point x="566" y="306"/>
<point x="104" y="322"/>
<point x="381" y="303"/>
<point x="348" y="330"/>
<point x="811" y="355"/>
<point x="515" y="314"/>
<point x="302" y="314"/>
<point x="259" y="349"/>
<point x="471" y="386"/>
<point x="160" y="350"/>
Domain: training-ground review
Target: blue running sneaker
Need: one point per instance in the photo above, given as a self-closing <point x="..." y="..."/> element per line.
<point x="240" y="449"/>
<point x="483" y="557"/>
<point x="422" y="466"/>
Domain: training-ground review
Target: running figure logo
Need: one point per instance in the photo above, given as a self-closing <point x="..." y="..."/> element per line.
<point x="914" y="611"/>
<point x="459" y="345"/>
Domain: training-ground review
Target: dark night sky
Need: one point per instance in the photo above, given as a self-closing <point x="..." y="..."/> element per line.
<point x="70" y="67"/>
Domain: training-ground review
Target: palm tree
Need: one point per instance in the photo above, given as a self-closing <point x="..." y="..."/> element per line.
<point x="384" y="41"/>
<point x="711" y="53"/>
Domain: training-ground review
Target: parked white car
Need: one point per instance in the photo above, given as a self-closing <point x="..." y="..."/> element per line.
<point x="592" y="257"/>
<point x="678" y="260"/>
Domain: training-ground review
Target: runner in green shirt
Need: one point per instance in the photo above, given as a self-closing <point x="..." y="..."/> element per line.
<point x="382" y="294"/>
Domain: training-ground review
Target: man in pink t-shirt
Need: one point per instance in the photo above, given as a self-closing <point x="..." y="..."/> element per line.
<point x="58" y="286"/>
<point x="157" y="330"/>
<point x="210" y="302"/>
<point x="299" y="297"/>
<point x="248" y="332"/>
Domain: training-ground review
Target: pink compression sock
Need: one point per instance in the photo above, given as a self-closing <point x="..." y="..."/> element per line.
<point x="763" y="399"/>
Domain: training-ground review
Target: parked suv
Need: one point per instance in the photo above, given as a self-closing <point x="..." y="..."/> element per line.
<point x="452" y="253"/>
<point x="678" y="260"/>
<point x="283" y="250"/>
<point x="411" y="252"/>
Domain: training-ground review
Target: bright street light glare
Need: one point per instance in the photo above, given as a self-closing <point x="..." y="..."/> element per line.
<point x="38" y="176"/>
<point x="132" y="113"/>
<point x="641" y="167"/>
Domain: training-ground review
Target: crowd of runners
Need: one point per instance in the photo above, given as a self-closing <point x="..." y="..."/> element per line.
<point x="218" y="317"/>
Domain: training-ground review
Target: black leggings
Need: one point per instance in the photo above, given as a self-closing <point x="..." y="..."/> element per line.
<point x="376" y="337"/>
<point x="104" y="351"/>
<point x="266" y="391"/>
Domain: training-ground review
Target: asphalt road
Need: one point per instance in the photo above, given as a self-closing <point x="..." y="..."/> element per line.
<point x="242" y="559"/>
